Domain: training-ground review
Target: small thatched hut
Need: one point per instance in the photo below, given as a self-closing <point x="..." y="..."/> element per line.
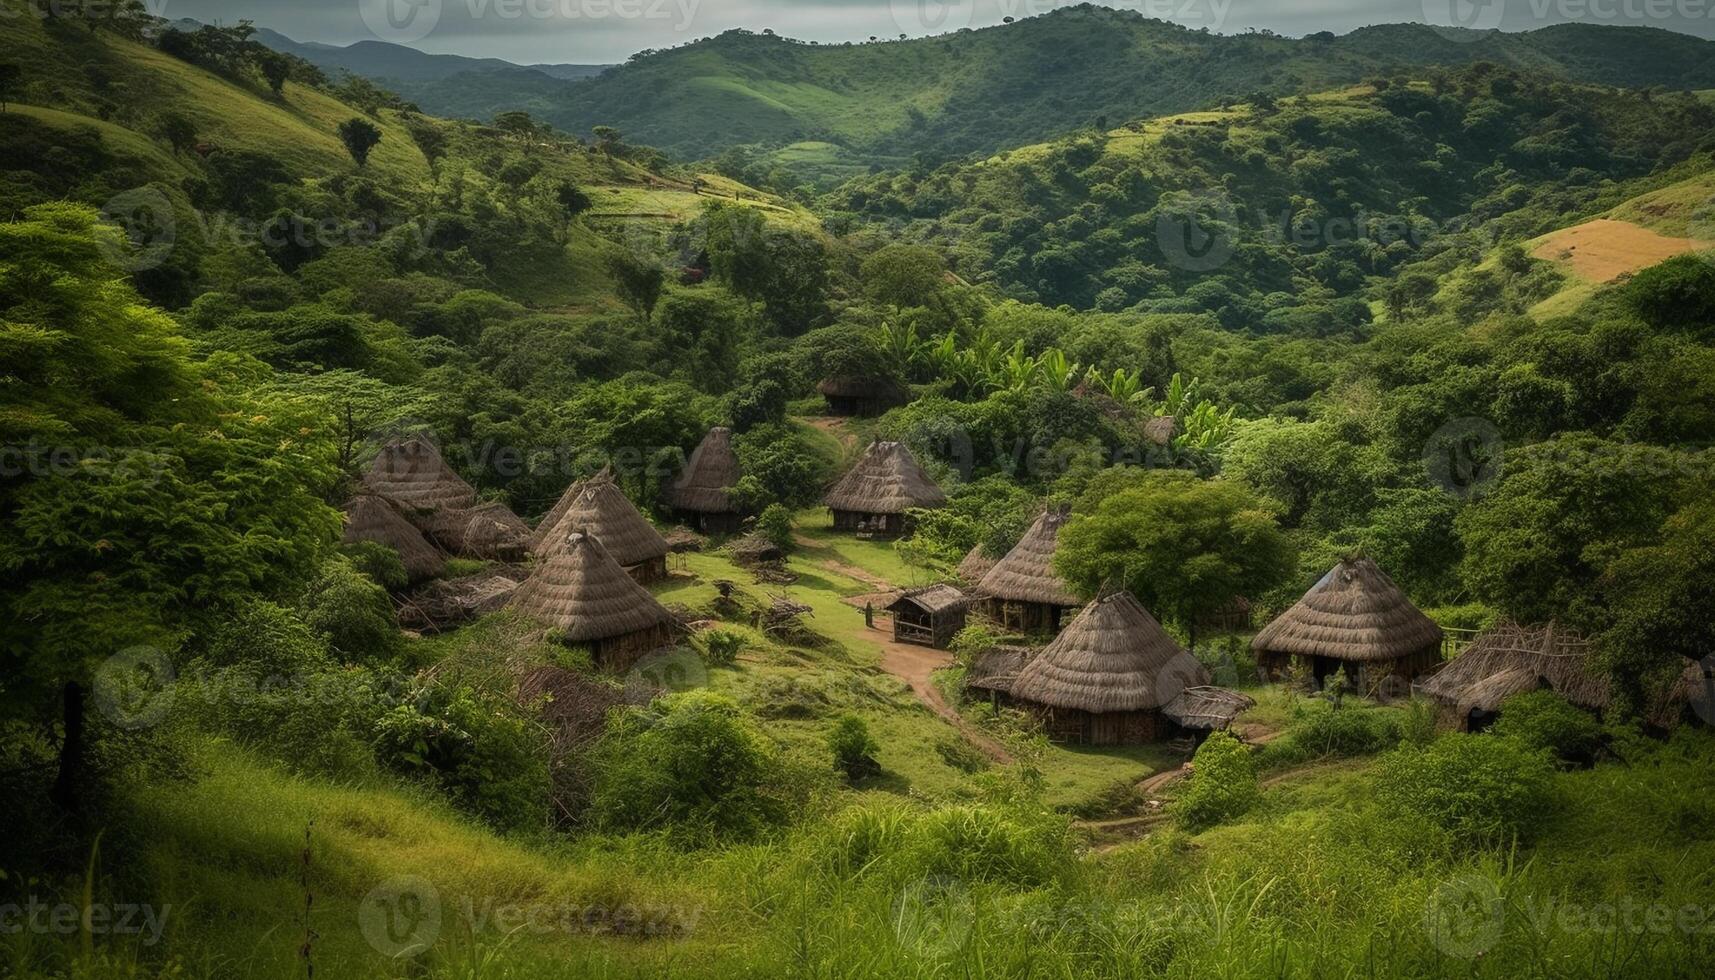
<point x="929" y="616"/>
<point x="874" y="495"/>
<point x="1107" y="677"/>
<point x="412" y="475"/>
<point x="702" y="496"/>
<point x="491" y="531"/>
<point x="864" y="397"/>
<point x="604" y="511"/>
<point x="1022" y="590"/>
<point x="1355" y="618"/>
<point x="550" y="521"/>
<point x="975" y="565"/>
<point x="1509" y="659"/>
<point x="993" y="671"/>
<point x="582" y="591"/>
<point x="370" y="518"/>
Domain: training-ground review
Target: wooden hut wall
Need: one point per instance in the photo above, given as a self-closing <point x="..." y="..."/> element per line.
<point x="618" y="654"/>
<point x="1109" y="728"/>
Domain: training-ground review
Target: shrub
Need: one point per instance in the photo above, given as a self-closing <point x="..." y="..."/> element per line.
<point x="1480" y="788"/>
<point x="479" y="747"/>
<point x="775" y="524"/>
<point x="691" y="762"/>
<point x="976" y="842"/>
<point x="379" y="562"/>
<point x="972" y="640"/>
<point x="1319" y="730"/>
<point x="1223" y="783"/>
<point x="352" y="611"/>
<point x="721" y="647"/>
<point x="1545" y="720"/>
<point x="853" y="747"/>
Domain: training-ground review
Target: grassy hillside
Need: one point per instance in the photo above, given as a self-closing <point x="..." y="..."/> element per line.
<point x="981" y="91"/>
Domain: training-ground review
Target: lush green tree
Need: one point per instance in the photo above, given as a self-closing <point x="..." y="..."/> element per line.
<point x="1677" y="295"/>
<point x="638" y="281"/>
<point x="1223" y="784"/>
<point x="783" y="268"/>
<point x="853" y="747"/>
<point x="1537" y="542"/>
<point x="904" y="275"/>
<point x="147" y="492"/>
<point x="360" y="136"/>
<point x="782" y="464"/>
<point x="1183" y="546"/>
<point x="11" y="83"/>
<point x="1308" y="468"/>
<point x="178" y="130"/>
<point x="1662" y="597"/>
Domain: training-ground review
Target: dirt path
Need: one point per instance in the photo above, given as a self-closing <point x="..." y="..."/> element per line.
<point x="915" y="666"/>
<point x="835" y="426"/>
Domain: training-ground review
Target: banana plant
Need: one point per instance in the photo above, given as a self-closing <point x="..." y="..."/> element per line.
<point x="1056" y="371"/>
<point x="1016" y="372"/>
<point x="1205" y="428"/>
<point x="1125" y="387"/>
<point x="902" y="347"/>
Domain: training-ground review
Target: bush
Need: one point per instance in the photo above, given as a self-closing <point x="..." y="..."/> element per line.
<point x="691" y="762"/>
<point x="479" y="747"/>
<point x="379" y="562"/>
<point x="974" y="842"/>
<point x="1223" y="783"/>
<point x="721" y="647"/>
<point x="1319" y="730"/>
<point x="854" y="750"/>
<point x="1545" y="720"/>
<point x="1482" y="789"/>
<point x="775" y="524"/>
<point x="352" y="611"/>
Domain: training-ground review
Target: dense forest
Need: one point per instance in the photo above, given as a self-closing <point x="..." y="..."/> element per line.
<point x="1446" y="310"/>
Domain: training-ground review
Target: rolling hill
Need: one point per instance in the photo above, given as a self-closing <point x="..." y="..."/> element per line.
<point x="979" y="91"/>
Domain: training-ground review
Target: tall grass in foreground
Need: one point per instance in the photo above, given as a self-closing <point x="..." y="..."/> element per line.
<point x="1317" y="880"/>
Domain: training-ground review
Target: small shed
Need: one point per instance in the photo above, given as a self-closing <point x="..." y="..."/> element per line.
<point x="1354" y="619"/>
<point x="1022" y="591"/>
<point x="1201" y="710"/>
<point x="874" y="495"/>
<point x="582" y="592"/>
<point x="702" y="495"/>
<point x="862" y="396"/>
<point x="491" y="532"/>
<point x="930" y="616"/>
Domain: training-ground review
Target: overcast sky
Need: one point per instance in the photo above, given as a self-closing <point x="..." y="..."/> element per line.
<point x="604" y="31"/>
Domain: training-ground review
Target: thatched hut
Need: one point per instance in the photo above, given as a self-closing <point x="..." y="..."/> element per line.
<point x="549" y="524"/>
<point x="874" y="495"/>
<point x="974" y="566"/>
<point x="702" y="496"/>
<point x="1107" y="677"/>
<point x="860" y="396"/>
<point x="603" y="510"/>
<point x="929" y="616"/>
<point x="370" y="518"/>
<point x="581" y="591"/>
<point x="412" y="475"/>
<point x="993" y="671"/>
<point x="1509" y="659"/>
<point x="1355" y="618"/>
<point x="492" y="532"/>
<point x="1022" y="591"/>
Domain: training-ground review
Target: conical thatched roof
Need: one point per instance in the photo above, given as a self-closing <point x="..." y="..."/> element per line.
<point x="413" y="474"/>
<point x="711" y="471"/>
<point x="1113" y="657"/>
<point x="1027" y="573"/>
<point x="582" y="591"/>
<point x="550" y="522"/>
<point x="603" y="510"/>
<point x="369" y="518"/>
<point x="1354" y="613"/>
<point x="492" y="531"/>
<point x="887" y="480"/>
